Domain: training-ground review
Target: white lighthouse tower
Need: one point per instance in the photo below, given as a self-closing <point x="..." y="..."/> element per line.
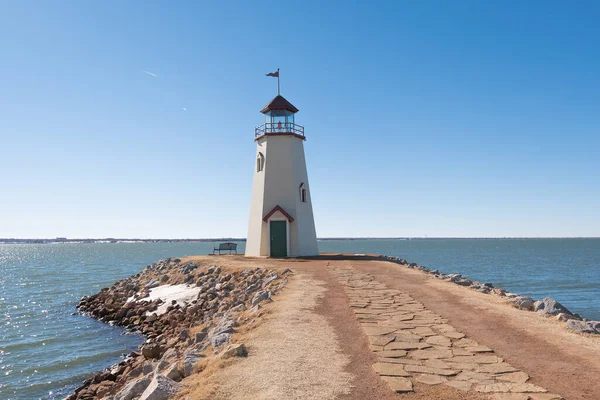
<point x="281" y="218"/>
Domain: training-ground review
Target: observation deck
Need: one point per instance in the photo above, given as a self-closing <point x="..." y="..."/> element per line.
<point x="279" y="129"/>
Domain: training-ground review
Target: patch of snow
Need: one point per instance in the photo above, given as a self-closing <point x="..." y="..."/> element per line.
<point x="183" y="294"/>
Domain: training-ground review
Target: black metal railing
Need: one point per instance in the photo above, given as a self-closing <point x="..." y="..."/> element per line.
<point x="271" y="128"/>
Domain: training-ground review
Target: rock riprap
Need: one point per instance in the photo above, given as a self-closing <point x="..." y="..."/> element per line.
<point x="547" y="307"/>
<point x="187" y="311"/>
<point x="413" y="344"/>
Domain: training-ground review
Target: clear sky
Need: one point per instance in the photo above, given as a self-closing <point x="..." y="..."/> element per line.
<point x="437" y="118"/>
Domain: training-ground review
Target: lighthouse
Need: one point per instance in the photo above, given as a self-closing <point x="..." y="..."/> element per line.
<point x="281" y="220"/>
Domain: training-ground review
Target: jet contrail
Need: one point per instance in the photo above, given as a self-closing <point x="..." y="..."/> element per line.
<point x="149" y="73"/>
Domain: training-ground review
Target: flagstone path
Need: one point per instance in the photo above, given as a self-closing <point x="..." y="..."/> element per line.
<point x="414" y="344"/>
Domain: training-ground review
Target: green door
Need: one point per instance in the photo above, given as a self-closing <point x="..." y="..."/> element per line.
<point x="278" y="239"/>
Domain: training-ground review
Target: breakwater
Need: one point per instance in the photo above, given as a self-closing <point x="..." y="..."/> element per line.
<point x="188" y="313"/>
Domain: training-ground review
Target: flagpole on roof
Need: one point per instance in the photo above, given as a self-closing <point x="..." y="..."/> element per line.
<point x="275" y="75"/>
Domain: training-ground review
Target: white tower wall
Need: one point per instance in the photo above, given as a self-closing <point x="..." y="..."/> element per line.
<point x="278" y="184"/>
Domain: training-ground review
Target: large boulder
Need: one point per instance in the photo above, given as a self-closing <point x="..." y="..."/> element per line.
<point x="595" y="325"/>
<point x="565" y="317"/>
<point x="160" y="388"/>
<point x="235" y="350"/>
<point x="189" y="267"/>
<point x="269" y="279"/>
<point x="189" y="362"/>
<point x="152" y="351"/>
<point x="253" y="288"/>
<point x="549" y="306"/>
<point x="225" y="325"/>
<point x="523" y="303"/>
<point x="200" y="336"/>
<point x="260" y="297"/>
<point x="147" y="368"/>
<point x="220" y="339"/>
<point x="103" y="389"/>
<point x="173" y="372"/>
<point x="133" y="389"/>
<point x="152" y="284"/>
<point x="460" y="280"/>
<point x="463" y="282"/>
<point x="221" y="333"/>
<point x="166" y="361"/>
<point x="581" y="326"/>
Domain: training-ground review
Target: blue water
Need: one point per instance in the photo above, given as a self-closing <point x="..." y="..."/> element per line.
<point x="45" y="350"/>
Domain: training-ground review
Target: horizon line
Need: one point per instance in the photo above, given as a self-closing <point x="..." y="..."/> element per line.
<point x="58" y="238"/>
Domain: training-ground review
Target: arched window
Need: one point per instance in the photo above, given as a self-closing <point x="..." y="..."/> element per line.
<point x="260" y="162"/>
<point x="302" y="193"/>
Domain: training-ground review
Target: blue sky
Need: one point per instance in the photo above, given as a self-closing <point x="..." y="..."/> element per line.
<point x="437" y="118"/>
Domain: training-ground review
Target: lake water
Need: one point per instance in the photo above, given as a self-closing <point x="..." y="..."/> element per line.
<point x="45" y="350"/>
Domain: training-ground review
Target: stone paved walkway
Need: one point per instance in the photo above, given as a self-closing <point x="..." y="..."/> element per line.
<point x="414" y="344"/>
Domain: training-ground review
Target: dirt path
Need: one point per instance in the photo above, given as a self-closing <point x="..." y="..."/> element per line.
<point x="293" y="354"/>
<point x="312" y="327"/>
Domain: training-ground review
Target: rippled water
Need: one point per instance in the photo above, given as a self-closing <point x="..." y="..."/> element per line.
<point x="45" y="350"/>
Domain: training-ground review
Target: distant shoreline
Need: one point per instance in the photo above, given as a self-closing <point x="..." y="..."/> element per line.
<point x="116" y="240"/>
<point x="113" y="240"/>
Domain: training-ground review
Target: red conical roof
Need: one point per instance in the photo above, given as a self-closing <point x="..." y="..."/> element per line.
<point x="279" y="103"/>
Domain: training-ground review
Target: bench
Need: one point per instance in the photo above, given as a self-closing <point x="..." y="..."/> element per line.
<point x="226" y="246"/>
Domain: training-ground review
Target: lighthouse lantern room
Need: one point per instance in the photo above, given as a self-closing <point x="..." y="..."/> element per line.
<point x="281" y="220"/>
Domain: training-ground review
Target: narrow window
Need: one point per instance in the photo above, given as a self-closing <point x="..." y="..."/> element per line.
<point x="260" y="162"/>
<point x="302" y="193"/>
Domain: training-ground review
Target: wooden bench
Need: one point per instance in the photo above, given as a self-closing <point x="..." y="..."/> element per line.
<point x="226" y="246"/>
